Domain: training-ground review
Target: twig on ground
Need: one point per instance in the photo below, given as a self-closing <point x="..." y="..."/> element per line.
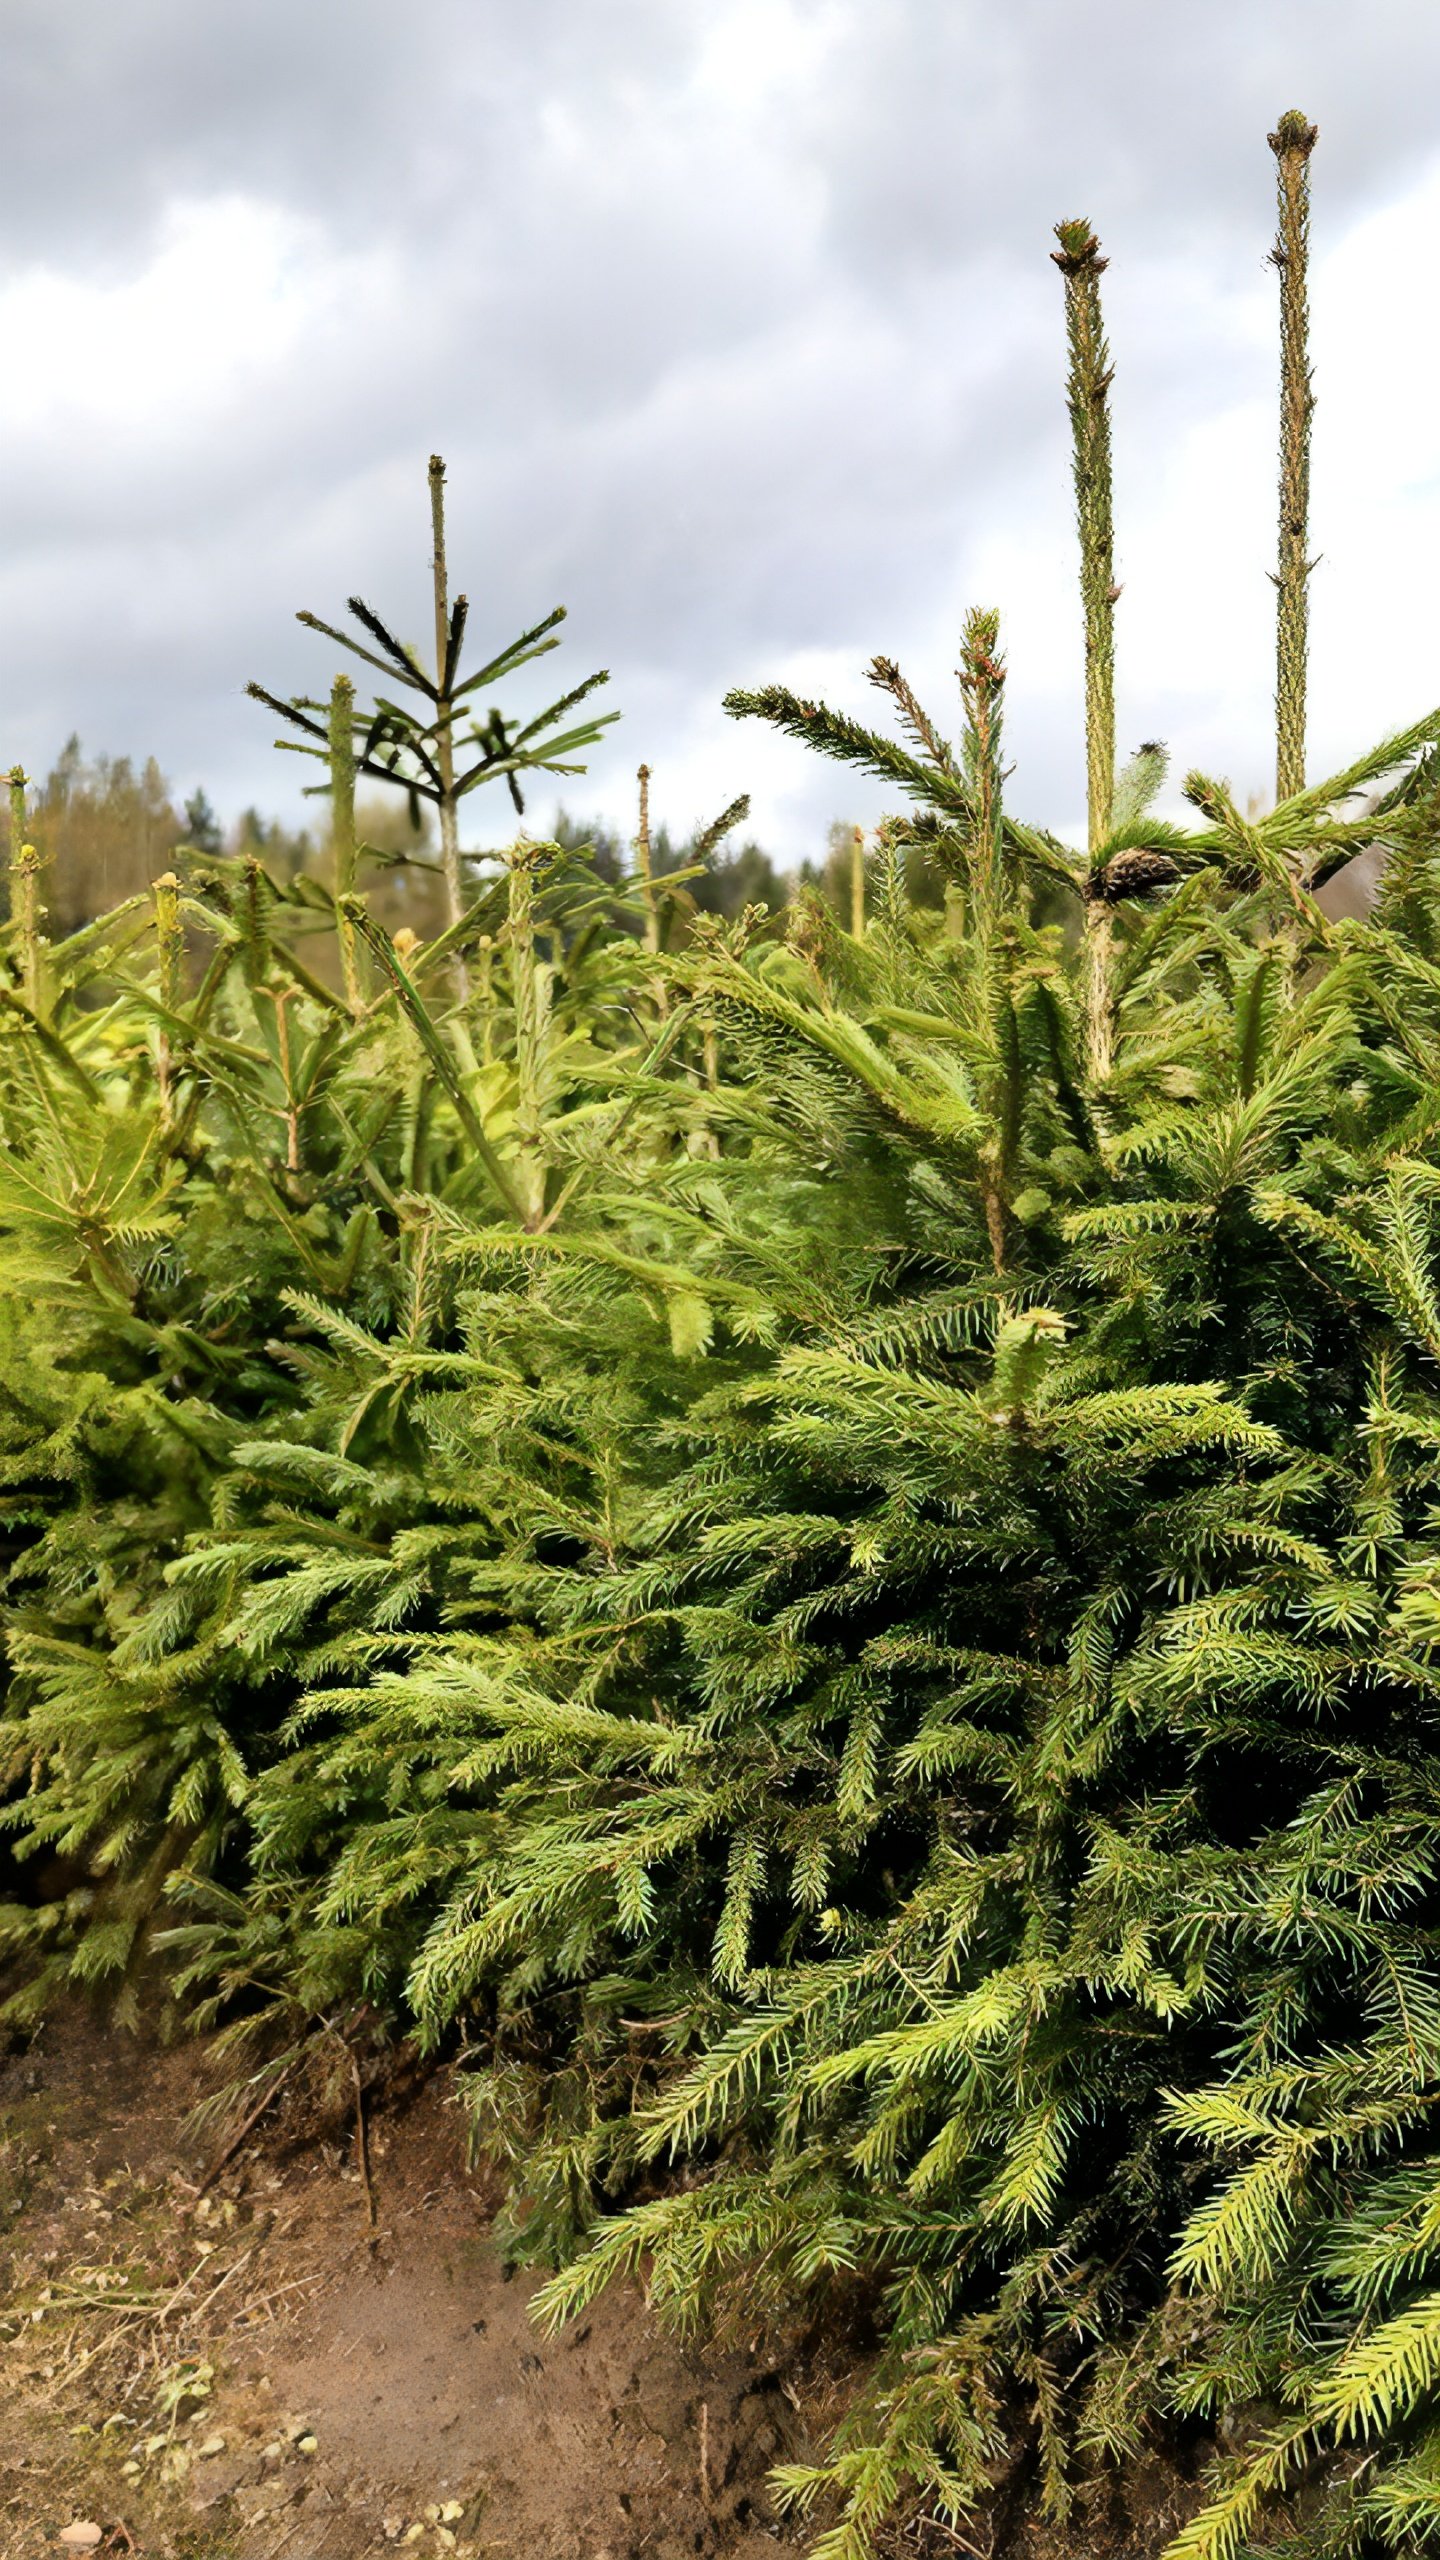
<point x="705" y="2496"/>
<point x="287" y="2538"/>
<point x="256" y="2314"/>
<point x="362" y="2135"/>
<point x="247" y="2127"/>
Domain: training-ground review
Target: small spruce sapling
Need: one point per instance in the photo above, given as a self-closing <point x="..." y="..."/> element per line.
<point x="444" y="750"/>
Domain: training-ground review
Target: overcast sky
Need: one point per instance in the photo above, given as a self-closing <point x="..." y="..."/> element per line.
<point x="735" y="322"/>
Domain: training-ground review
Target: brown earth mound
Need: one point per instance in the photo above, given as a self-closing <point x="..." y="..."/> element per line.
<point x="248" y="2369"/>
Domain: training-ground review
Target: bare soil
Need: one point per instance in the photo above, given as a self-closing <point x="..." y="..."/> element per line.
<point x="238" y="2364"/>
<point x="247" y="2369"/>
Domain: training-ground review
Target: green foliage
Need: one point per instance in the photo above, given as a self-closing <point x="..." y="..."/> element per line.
<point x="223" y="1201"/>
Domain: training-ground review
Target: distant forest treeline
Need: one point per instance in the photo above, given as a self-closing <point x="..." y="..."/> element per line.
<point x="107" y="827"/>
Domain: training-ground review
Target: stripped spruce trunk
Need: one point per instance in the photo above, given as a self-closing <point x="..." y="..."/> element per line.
<point x="26" y="865"/>
<point x="645" y="862"/>
<point x="168" y="947"/>
<point x="1088" y="398"/>
<point x="24" y="891"/>
<point x="1292" y="142"/>
<point x="530" y="996"/>
<point x="449" y="813"/>
<point x="342" y="832"/>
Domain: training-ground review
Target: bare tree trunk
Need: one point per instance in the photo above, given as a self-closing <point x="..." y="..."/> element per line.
<point x="1082" y="266"/>
<point x="445" y="715"/>
<point x="1292" y="143"/>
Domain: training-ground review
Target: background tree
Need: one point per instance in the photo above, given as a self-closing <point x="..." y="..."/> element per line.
<point x="202" y="827"/>
<point x="103" y="831"/>
<point x="709" y="879"/>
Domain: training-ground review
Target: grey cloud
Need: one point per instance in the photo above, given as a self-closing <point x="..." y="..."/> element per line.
<point x="385" y="117"/>
<point x="738" y="372"/>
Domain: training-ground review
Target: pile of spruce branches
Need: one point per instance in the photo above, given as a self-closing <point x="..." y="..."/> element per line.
<point x="813" y="1547"/>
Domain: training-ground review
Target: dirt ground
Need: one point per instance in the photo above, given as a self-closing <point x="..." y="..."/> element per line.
<point x="217" y="2355"/>
<point x="245" y="2370"/>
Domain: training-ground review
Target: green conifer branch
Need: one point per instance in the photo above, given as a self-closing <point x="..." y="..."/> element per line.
<point x="982" y="691"/>
<point x="434" y="1045"/>
<point x="18" y="784"/>
<point x="835" y="733"/>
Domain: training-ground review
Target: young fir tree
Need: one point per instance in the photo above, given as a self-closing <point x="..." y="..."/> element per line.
<point x="225" y="1190"/>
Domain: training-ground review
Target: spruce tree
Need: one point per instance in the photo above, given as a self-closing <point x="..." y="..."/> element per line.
<point x="977" y="1815"/>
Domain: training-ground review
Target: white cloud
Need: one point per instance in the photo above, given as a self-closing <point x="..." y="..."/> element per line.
<point x="752" y="52"/>
<point x="228" y="287"/>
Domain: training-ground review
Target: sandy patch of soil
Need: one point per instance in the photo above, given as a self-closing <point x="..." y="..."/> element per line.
<point x="252" y="2373"/>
